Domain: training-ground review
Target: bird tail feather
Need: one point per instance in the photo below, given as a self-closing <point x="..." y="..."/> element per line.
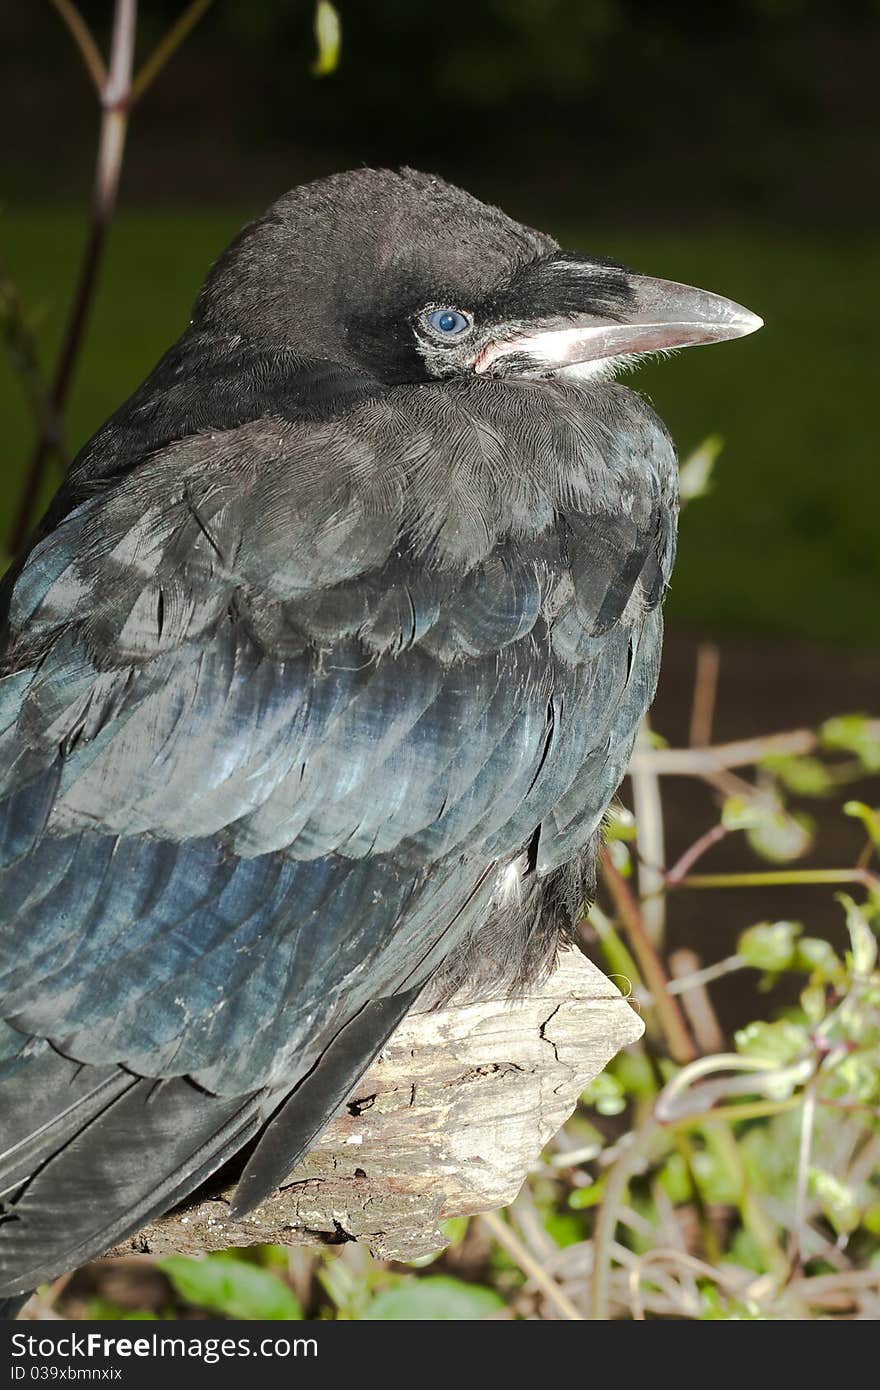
<point x="306" y="1112"/>
<point x="121" y="1150"/>
<point x="142" y="1153"/>
<point x="11" y="1307"/>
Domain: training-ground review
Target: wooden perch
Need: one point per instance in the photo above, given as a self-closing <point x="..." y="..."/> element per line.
<point x="446" y="1123"/>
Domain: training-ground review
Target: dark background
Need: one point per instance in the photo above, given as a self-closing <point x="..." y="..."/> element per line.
<point x="734" y="146"/>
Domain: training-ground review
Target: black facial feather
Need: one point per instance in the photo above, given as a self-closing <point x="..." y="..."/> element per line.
<point x="323" y="636"/>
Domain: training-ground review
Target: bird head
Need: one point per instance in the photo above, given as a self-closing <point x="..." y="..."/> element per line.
<point x="409" y="278"/>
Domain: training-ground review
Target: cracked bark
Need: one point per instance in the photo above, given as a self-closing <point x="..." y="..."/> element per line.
<point x="446" y="1123"/>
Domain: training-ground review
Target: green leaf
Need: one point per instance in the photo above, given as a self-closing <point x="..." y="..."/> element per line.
<point x="716" y="1183"/>
<point x="734" y="1310"/>
<point x="103" y="1310"/>
<point x="675" y="1180"/>
<point x="817" y="956"/>
<point x="782" y="837"/>
<point x="606" y="1094"/>
<point x="742" y="813"/>
<point x="328" y="37"/>
<point x="695" y="473"/>
<point x="769" y="945"/>
<point x="437" y="1298"/>
<point x="590" y="1196"/>
<point x="455" y="1229"/>
<point x="635" y="1074"/>
<point x="803" y="776"/>
<point x="773" y="832"/>
<point x="864" y="942"/>
<point x="779" y="1043"/>
<point x="857" y="1077"/>
<point x="868" y="815"/>
<point x="222" y="1284"/>
<point x="837" y="1200"/>
<point x="564" y="1229"/>
<point x="814" y="1003"/>
<point x="620" y="858"/>
<point x="853" y="733"/>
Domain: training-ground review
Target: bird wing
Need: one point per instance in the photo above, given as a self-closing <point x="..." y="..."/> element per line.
<point x="277" y="699"/>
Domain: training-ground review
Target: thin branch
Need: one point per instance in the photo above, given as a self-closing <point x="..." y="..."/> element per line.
<point x="669" y="1013"/>
<point x="111" y="142"/>
<point x="866" y="1163"/>
<point x="729" y="1282"/>
<point x="814" y="1286"/>
<point x="705" y="694"/>
<point x="530" y="1265"/>
<point x="85" y="42"/>
<point x="681" y="1096"/>
<point x="167" y="47"/>
<point x="696" y="851"/>
<point x="696" y="1003"/>
<point x="21" y="348"/>
<point x="617" y="958"/>
<point x="728" y="1114"/>
<point x="651" y="845"/>
<point x="775" y="878"/>
<point x="627" y="1164"/>
<point x="699" y="762"/>
<point x="527" y="1217"/>
<point x="805" y="1149"/>
<point x="118" y="95"/>
<point x="706" y="975"/>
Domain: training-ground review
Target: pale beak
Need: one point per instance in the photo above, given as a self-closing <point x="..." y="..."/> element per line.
<point x="660" y="315"/>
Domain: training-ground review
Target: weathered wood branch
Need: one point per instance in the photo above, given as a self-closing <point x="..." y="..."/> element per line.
<point x="446" y="1123"/>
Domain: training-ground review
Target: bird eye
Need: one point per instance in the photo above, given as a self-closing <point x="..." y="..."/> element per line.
<point x="449" y="322"/>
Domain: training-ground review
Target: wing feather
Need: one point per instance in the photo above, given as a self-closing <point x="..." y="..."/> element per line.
<point x="276" y="700"/>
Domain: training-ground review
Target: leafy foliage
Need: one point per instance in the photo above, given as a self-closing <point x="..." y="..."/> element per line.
<point x="230" y="1287"/>
<point x="437" y="1298"/>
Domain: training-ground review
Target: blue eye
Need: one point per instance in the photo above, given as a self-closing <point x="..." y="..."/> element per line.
<point x="449" y="322"/>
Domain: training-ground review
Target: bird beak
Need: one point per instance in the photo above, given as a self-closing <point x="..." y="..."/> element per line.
<point x="655" y="316"/>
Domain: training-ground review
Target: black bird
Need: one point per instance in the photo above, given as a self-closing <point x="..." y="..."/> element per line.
<point x="317" y="680"/>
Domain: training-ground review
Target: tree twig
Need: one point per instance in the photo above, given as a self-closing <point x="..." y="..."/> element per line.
<point x="623" y="1169"/>
<point x="805" y="1149"/>
<point x="699" y="978"/>
<point x="115" y="94"/>
<point x="24" y="358"/>
<point x="775" y="878"/>
<point x="671" y="1019"/>
<point x="530" y="1265"/>
<point x="85" y="42"/>
<point x="696" y="851"/>
<point x="118" y="94"/>
<point x="705" y="694"/>
<point x="699" y="762"/>
<point x="729" y="1282"/>
<point x="651" y="844"/>
<point x="695" y="1000"/>
<point x="167" y="47"/>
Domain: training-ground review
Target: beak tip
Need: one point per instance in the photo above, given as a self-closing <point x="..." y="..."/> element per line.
<point x="749" y="323"/>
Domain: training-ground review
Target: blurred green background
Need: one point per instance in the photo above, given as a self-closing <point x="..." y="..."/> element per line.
<point x="729" y="146"/>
